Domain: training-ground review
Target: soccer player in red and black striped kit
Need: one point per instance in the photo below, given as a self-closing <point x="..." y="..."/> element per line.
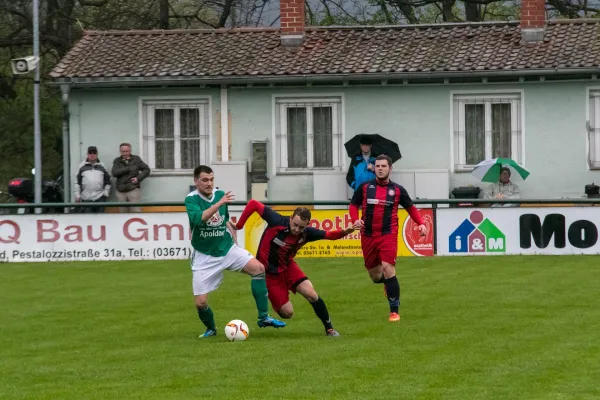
<point x="379" y="199"/>
<point x="279" y="243"/>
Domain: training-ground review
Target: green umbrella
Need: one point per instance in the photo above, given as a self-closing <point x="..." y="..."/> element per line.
<point x="489" y="170"/>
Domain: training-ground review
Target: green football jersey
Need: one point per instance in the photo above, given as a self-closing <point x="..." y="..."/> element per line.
<point x="211" y="237"/>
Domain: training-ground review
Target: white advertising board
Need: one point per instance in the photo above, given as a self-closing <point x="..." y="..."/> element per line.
<point x="542" y="230"/>
<point x="86" y="237"/>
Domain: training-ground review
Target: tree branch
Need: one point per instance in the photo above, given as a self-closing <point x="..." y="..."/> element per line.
<point x="19" y="14"/>
<point x="93" y="3"/>
<point x="28" y="41"/>
<point x="385" y="11"/>
<point x="163" y="14"/>
<point x="191" y="16"/>
<point x="225" y="13"/>
<point x="353" y="18"/>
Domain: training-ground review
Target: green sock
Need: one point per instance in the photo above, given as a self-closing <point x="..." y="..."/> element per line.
<point x="259" y="291"/>
<point x="207" y="318"/>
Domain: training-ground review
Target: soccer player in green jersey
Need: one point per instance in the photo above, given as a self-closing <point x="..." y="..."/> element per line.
<point x="216" y="250"/>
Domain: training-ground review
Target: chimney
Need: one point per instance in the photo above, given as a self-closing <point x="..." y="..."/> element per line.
<point x="533" y="20"/>
<point x="292" y="22"/>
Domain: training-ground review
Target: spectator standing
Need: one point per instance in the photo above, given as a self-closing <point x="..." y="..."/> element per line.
<point x="92" y="184"/>
<point x="130" y="171"/>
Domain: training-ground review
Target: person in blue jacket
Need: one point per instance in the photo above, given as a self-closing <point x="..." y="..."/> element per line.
<point x="362" y="166"/>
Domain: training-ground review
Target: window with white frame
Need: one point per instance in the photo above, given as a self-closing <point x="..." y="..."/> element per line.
<point x="308" y="133"/>
<point x="594" y="130"/>
<point x="175" y="134"/>
<point x="486" y="126"/>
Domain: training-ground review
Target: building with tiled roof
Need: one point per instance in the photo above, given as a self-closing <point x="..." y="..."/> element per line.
<point x="331" y="54"/>
<point x="271" y="108"/>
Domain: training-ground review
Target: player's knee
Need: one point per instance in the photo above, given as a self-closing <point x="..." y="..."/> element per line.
<point x="311" y="296"/>
<point x="285" y="314"/>
<point x="201" y="303"/>
<point x="306" y="289"/>
<point x="286" y="311"/>
<point x="376" y="275"/>
<point x="260" y="268"/>
<point x="388" y="270"/>
<point x="255" y="267"/>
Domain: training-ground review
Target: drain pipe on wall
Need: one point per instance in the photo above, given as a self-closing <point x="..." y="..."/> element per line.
<point x="66" y="145"/>
<point x="224" y="125"/>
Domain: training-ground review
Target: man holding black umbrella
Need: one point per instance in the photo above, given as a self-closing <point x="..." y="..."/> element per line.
<point x="362" y="167"/>
<point x="363" y="149"/>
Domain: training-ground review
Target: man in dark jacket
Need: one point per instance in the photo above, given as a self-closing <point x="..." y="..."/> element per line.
<point x="362" y="166"/>
<point x="92" y="183"/>
<point x="130" y="171"/>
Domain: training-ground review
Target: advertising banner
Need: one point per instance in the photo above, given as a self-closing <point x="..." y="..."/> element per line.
<point x="410" y="243"/>
<point x="544" y="230"/>
<point x="69" y="237"/>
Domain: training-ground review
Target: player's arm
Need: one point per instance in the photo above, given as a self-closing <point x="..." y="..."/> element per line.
<point x="407" y="204"/>
<point x="230" y="225"/>
<point x="209" y="212"/>
<point x="197" y="215"/>
<point x="231" y="228"/>
<point x="266" y="213"/>
<point x="313" y="234"/>
<point x="415" y="215"/>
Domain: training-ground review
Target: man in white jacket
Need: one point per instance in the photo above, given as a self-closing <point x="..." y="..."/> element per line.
<point x="92" y="183"/>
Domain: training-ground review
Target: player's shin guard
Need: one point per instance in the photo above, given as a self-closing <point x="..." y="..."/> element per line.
<point x="207" y="317"/>
<point x="260" y="293"/>
<point x="392" y="289"/>
<point x="322" y="313"/>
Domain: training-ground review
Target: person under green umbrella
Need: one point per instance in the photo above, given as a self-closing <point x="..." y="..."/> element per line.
<point x="489" y="170"/>
<point x="503" y="190"/>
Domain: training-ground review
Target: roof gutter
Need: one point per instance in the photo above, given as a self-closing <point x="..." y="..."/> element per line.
<point x="246" y="79"/>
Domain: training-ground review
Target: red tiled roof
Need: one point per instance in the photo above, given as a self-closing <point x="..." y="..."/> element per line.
<point x="444" y="48"/>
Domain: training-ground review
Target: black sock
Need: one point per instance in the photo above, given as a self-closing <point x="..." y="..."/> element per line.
<point x="381" y="280"/>
<point x="392" y="288"/>
<point x="321" y="311"/>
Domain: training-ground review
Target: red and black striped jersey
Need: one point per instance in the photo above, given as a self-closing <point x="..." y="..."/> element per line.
<point x="278" y="246"/>
<point x="379" y="205"/>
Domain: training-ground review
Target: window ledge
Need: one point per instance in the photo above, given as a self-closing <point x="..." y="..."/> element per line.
<point x="168" y="172"/>
<point x="463" y="168"/>
<point x="284" y="172"/>
<point x="292" y="171"/>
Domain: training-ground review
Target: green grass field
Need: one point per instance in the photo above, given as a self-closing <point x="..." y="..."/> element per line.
<point x="472" y="328"/>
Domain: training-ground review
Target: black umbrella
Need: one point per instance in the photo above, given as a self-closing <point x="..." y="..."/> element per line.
<point x="380" y="145"/>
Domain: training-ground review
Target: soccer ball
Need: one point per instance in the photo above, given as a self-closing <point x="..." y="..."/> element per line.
<point x="236" y="331"/>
